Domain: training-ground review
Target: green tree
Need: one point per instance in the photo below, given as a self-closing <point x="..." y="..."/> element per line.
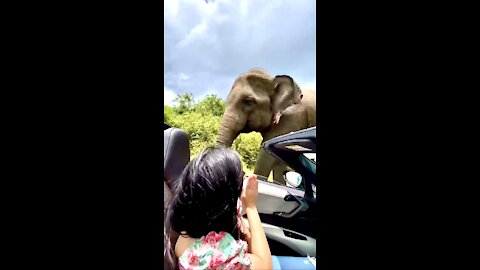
<point x="202" y="129"/>
<point x="211" y="104"/>
<point x="201" y="121"/>
<point x="185" y="103"/>
<point x="248" y="145"/>
<point x="168" y="114"/>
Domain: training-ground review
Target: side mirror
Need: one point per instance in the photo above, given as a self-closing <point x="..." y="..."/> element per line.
<point x="293" y="178"/>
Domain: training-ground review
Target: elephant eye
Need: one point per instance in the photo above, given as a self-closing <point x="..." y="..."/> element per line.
<point x="250" y="102"/>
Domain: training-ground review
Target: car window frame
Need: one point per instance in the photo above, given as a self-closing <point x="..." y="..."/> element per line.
<point x="292" y="158"/>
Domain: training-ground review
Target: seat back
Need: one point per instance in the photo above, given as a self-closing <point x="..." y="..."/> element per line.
<point x="176" y="155"/>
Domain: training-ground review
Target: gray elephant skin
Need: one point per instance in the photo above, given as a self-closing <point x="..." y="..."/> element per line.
<point x="249" y="107"/>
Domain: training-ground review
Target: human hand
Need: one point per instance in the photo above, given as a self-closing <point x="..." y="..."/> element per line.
<point x="250" y="192"/>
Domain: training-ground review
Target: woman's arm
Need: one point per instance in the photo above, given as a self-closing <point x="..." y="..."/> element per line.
<point x="258" y="244"/>
<point x="260" y="251"/>
<point x="245" y="234"/>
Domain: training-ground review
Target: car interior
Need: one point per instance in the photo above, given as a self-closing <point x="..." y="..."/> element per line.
<point x="290" y="221"/>
<point x="287" y="221"/>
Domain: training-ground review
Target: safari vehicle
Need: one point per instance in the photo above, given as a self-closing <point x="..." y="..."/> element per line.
<point x="287" y="212"/>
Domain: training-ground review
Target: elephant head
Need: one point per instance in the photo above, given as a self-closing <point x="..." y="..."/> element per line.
<point x="249" y="105"/>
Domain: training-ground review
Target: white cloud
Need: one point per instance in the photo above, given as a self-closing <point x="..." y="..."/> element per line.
<point x="169" y="96"/>
<point x="196" y="32"/>
<point x="170" y="9"/>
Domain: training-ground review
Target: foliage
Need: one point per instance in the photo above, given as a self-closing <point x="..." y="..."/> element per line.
<point x="248" y="145"/>
<point x="202" y="130"/>
<point x="185" y="103"/>
<point x="201" y="120"/>
<point x="167" y="113"/>
<point x="211" y="104"/>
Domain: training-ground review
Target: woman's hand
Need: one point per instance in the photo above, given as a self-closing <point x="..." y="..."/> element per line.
<point x="250" y="192"/>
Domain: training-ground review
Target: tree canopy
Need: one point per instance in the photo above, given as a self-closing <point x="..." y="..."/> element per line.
<point x="201" y="120"/>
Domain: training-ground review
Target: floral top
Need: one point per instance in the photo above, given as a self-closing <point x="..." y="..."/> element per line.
<point x="216" y="251"/>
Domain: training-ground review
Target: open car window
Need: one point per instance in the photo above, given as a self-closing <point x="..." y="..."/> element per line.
<point x="298" y="151"/>
<point x="308" y="163"/>
<point x="311" y="156"/>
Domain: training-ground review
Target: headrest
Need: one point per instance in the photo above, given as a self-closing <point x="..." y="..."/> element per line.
<point x="176" y="154"/>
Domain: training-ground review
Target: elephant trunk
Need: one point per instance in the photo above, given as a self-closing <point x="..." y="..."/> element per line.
<point x="230" y="127"/>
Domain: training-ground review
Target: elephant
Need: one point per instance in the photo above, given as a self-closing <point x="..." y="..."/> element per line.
<point x="249" y="107"/>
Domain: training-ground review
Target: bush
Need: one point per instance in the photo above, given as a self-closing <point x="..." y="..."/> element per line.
<point x="202" y="121"/>
<point x="248" y="146"/>
<point x="201" y="130"/>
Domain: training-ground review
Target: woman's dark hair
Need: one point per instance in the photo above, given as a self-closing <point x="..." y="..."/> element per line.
<point x="205" y="197"/>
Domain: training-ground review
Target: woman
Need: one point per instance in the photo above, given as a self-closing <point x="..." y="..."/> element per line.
<point x="205" y="211"/>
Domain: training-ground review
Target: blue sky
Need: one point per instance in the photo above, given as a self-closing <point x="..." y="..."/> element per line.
<point x="206" y="46"/>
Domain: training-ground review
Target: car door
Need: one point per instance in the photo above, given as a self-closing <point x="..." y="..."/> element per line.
<point x="287" y="213"/>
<point x="283" y="219"/>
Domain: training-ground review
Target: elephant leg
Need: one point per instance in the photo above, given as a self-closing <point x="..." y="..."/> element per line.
<point x="264" y="164"/>
<point x="279" y="170"/>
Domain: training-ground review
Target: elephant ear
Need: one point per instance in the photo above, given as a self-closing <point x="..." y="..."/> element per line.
<point x="285" y="80"/>
<point x="259" y="79"/>
<point x="285" y="84"/>
<point x="286" y="94"/>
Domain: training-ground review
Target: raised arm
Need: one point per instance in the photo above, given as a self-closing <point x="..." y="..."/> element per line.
<point x="260" y="251"/>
